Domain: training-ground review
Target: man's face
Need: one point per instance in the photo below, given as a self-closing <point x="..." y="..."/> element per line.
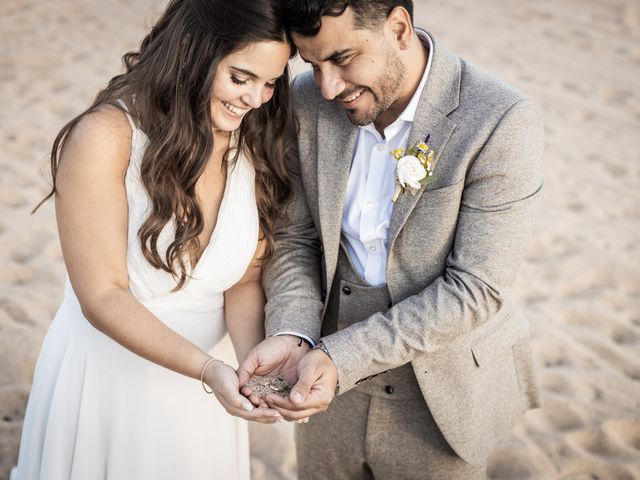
<point x="360" y="69"/>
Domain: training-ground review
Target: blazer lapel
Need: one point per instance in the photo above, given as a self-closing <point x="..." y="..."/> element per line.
<point x="439" y="98"/>
<point x="336" y="144"/>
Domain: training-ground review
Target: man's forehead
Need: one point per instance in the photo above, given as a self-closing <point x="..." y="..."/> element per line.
<point x="329" y="42"/>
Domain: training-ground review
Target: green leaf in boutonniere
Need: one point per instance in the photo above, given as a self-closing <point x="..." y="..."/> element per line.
<point x="414" y="169"/>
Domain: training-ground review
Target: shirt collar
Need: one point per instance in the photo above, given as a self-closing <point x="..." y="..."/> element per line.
<point x="409" y="112"/>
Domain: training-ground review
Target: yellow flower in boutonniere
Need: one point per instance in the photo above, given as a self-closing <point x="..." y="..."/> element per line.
<point x="414" y="169"/>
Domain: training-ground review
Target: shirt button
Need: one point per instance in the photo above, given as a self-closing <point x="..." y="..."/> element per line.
<point x="346" y="290"/>
<point x="371" y="204"/>
<point x="372" y="248"/>
<point x="389" y="389"/>
<point x="381" y="147"/>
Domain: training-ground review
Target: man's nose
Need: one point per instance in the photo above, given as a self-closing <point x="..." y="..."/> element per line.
<point x="331" y="84"/>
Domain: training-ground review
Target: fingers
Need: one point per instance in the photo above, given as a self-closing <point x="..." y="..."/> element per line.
<point x="298" y="416"/>
<point x="308" y="377"/>
<point x="316" y="402"/>
<point x="313" y="392"/>
<point x="247" y="368"/>
<point x="264" y="415"/>
<point x="273" y="355"/>
<point x="226" y="388"/>
<point x="240" y="407"/>
<point x="253" y="398"/>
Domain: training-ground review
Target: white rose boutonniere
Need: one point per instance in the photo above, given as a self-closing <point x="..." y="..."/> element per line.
<point x="414" y="169"/>
<point x="409" y="172"/>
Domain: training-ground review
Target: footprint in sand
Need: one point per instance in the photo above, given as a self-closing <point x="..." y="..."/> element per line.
<point x="598" y="443"/>
<point x="616" y="97"/>
<point x="562" y="415"/>
<point x="14" y="274"/>
<point x="551" y="247"/>
<point x="13" y="199"/>
<point x="556" y="382"/>
<point x="25" y="252"/>
<point x="624" y="336"/>
<point x="512" y="462"/>
<point x="625" y="432"/>
<point x="13" y="401"/>
<point x="618" y="171"/>
<point x="16" y="311"/>
<point x="632" y="14"/>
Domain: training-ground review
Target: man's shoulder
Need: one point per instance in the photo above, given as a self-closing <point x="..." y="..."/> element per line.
<point x="303" y="83"/>
<point x="485" y="91"/>
<point x="476" y="91"/>
<point x="305" y="92"/>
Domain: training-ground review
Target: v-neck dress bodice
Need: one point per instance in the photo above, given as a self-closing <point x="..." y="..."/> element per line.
<point x="224" y="259"/>
<point x="98" y="411"/>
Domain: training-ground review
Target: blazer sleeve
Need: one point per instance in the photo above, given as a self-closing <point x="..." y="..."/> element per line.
<point x="292" y="279"/>
<point x="502" y="188"/>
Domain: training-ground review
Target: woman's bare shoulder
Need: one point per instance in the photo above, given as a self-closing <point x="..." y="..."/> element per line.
<point x="101" y="138"/>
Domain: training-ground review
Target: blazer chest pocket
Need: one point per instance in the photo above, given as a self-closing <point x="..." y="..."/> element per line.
<point x="432" y="222"/>
<point x="444" y="194"/>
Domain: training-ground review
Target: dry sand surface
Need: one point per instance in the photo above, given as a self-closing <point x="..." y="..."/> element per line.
<point x="579" y="59"/>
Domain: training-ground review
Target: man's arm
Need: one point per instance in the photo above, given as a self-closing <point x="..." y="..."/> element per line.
<point x="292" y="283"/>
<point x="498" y="203"/>
<point x="292" y="279"/>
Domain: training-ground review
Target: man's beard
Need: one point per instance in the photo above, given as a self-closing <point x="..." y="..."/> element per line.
<point x="384" y="91"/>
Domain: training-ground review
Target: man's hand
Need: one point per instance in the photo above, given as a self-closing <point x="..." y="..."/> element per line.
<point x="278" y="355"/>
<point x="314" y="390"/>
<point x="222" y="379"/>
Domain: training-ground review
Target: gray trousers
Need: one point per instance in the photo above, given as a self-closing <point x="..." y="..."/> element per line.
<point x="381" y="429"/>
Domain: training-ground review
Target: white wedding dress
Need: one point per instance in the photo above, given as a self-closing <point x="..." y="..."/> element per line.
<point x="99" y="412"/>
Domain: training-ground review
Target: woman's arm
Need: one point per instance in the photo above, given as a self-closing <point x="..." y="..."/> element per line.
<point x="92" y="212"/>
<point x="244" y="308"/>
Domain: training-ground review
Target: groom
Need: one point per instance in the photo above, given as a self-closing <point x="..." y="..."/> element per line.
<point x="398" y="272"/>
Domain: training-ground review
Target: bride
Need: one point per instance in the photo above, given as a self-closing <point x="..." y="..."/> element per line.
<point x="166" y="189"/>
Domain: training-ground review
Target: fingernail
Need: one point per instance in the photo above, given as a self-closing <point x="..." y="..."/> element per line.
<point x="296" y="396"/>
<point x="248" y="407"/>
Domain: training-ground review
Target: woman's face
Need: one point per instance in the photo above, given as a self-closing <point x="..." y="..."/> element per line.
<point x="244" y="80"/>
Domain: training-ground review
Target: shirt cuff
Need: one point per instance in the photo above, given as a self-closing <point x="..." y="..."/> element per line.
<point x="309" y="340"/>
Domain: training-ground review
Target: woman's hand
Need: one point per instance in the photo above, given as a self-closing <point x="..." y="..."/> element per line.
<point x="222" y="379"/>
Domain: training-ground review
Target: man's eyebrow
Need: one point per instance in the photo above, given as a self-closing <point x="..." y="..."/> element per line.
<point x="333" y="56"/>
<point x="337" y="54"/>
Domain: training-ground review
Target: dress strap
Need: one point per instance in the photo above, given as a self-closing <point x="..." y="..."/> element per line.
<point x="126" y="111"/>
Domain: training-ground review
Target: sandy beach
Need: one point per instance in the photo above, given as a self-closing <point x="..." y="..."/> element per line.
<point x="580" y="284"/>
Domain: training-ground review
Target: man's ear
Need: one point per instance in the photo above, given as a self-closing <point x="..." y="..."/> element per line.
<point x="399" y="23"/>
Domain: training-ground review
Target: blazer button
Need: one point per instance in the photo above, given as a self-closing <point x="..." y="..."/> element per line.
<point x="346" y="290"/>
<point x="389" y="389"/>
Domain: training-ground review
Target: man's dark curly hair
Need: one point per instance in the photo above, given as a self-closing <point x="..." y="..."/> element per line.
<point x="304" y="17"/>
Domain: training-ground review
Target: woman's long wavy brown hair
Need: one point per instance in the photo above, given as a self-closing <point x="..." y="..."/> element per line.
<point x="167" y="87"/>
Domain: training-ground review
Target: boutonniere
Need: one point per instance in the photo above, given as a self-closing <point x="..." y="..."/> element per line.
<point x="414" y="169"/>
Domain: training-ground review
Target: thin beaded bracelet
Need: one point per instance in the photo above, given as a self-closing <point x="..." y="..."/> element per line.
<point x="204" y="385"/>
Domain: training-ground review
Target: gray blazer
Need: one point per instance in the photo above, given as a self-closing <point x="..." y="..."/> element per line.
<point x="454" y="250"/>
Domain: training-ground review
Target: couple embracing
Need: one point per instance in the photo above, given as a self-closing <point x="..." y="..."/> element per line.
<point x="368" y="219"/>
